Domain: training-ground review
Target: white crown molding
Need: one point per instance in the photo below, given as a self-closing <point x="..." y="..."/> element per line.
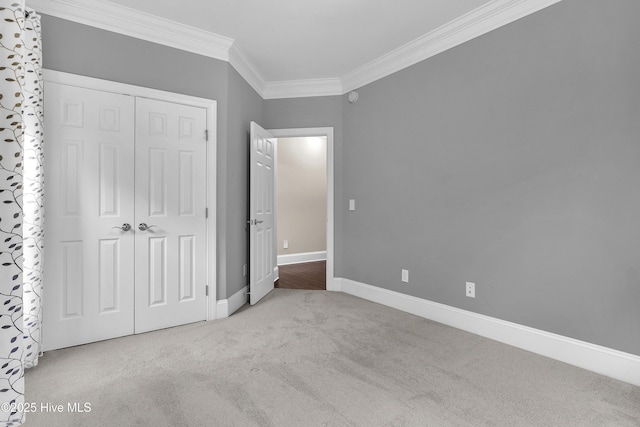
<point x="602" y="360"/>
<point x="303" y="88"/>
<point x="482" y="20"/>
<point x="247" y="69"/>
<point x="134" y="23"/>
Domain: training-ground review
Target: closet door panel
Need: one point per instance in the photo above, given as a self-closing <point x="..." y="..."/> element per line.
<point x="171" y="154"/>
<point x="89" y="259"/>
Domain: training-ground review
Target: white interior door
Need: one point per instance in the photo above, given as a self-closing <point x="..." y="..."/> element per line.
<point x="170" y="222"/>
<point x="89" y="262"/>
<point x="261" y="211"/>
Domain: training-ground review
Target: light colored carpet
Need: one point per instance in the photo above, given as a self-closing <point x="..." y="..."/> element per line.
<point x="316" y="358"/>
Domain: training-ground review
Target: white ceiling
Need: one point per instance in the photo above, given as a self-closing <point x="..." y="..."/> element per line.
<point x="311" y="39"/>
<point x="296" y="48"/>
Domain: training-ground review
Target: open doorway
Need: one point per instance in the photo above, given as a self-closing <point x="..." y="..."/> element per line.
<point x="304" y="207"/>
<point x="301" y="200"/>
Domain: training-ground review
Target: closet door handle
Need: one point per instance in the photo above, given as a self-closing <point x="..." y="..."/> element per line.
<point x="144" y="227"/>
<point x="124" y="227"/>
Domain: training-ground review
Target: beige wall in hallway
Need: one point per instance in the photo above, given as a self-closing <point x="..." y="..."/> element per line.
<point x="302" y="194"/>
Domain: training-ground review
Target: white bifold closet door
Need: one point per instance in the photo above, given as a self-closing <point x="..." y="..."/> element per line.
<point x="125" y="215"/>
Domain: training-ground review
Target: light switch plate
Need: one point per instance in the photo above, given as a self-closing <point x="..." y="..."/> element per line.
<point x="352" y="204"/>
<point x="405" y="276"/>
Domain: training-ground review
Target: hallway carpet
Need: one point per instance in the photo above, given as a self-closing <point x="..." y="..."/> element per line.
<point x="314" y="358"/>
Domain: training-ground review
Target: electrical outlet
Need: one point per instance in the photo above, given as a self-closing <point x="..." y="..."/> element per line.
<point x="471" y="290"/>
<point x="244" y="270"/>
<point x="285" y="245"/>
<point x="405" y="276"/>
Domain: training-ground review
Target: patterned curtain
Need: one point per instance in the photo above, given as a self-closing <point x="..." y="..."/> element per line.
<point x="21" y="201"/>
<point x="33" y="191"/>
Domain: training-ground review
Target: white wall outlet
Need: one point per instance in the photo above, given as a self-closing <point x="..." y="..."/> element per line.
<point x="471" y="290"/>
<point x="285" y="245"/>
<point x="405" y="275"/>
<point x="352" y="204"/>
<point x="244" y="270"/>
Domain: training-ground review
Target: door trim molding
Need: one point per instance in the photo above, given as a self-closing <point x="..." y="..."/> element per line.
<point x="211" y="106"/>
<point x="328" y="132"/>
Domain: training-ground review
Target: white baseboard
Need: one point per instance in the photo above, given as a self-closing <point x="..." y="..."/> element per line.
<point x="302" y="257"/>
<point x="602" y="360"/>
<point x="226" y="307"/>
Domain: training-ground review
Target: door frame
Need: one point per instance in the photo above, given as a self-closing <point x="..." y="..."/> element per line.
<point x="211" y="106"/>
<point x="328" y="133"/>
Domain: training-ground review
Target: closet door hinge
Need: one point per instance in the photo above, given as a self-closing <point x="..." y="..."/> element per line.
<point x="206" y="134"/>
<point x="206" y="291"/>
<point x="206" y="212"/>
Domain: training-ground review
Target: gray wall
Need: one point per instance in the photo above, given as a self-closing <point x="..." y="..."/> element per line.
<point x="88" y="51"/>
<point x="245" y="105"/>
<point x="512" y="161"/>
<point x="324" y="111"/>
